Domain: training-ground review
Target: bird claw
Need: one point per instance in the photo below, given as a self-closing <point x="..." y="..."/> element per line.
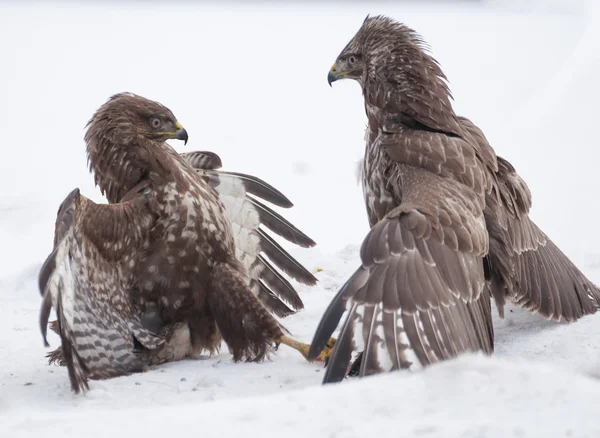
<point x="303" y="348"/>
<point x="325" y="355"/>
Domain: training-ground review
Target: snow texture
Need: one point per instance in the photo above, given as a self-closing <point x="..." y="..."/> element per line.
<point x="248" y="82"/>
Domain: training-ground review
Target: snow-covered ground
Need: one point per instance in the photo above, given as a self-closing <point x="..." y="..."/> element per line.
<point x="248" y="82"/>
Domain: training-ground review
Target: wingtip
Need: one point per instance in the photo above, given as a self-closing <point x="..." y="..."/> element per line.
<point x="311" y="280"/>
<point x="45" y="271"/>
<point x="284" y="202"/>
<point x="80" y="387"/>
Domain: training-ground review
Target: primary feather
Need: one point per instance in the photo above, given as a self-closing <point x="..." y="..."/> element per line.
<point x="241" y="196"/>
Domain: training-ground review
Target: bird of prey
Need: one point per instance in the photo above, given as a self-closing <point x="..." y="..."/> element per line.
<point x="175" y="262"/>
<point x="449" y="223"/>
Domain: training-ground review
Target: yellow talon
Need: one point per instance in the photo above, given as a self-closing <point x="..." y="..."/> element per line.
<point x="303" y="348"/>
<point x="326" y="353"/>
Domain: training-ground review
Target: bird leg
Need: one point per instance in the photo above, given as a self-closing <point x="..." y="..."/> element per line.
<point x="303" y="348"/>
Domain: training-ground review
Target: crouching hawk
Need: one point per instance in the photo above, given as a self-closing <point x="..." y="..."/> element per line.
<point x="449" y="223"/>
<point x="175" y="263"/>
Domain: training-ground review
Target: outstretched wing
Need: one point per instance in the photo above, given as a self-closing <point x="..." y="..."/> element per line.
<point x="524" y="265"/>
<point x="260" y="254"/>
<point x="82" y="281"/>
<point x="420" y="295"/>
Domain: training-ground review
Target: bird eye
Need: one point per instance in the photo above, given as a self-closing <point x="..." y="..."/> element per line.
<point x="155" y="123"/>
<point x="352" y="59"/>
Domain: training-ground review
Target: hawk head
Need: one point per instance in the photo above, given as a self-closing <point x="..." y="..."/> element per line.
<point x="123" y="138"/>
<point x="132" y="119"/>
<point x="381" y="48"/>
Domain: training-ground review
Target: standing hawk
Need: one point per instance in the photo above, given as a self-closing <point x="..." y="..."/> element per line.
<point x="175" y="263"/>
<point x="449" y="223"/>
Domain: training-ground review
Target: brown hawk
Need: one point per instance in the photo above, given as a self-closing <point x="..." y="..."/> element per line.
<point x="449" y="223"/>
<point x="175" y="263"/>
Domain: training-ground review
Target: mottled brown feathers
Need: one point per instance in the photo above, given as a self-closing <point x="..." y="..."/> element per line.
<point x="243" y="197"/>
<point x="119" y="143"/>
<point x="243" y="322"/>
<point x="167" y="269"/>
<point x="449" y="220"/>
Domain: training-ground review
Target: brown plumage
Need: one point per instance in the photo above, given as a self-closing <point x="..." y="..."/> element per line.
<point x="449" y="220"/>
<point x="173" y="263"/>
<point x="241" y="196"/>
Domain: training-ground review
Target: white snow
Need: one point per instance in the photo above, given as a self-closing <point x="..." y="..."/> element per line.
<point x="248" y="82"/>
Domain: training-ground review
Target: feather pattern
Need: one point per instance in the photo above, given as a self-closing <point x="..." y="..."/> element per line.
<point x="202" y="160"/>
<point x="241" y="195"/>
<point x="450" y="225"/>
<point x="416" y="299"/>
<point x="154" y="275"/>
<point x="80" y="275"/>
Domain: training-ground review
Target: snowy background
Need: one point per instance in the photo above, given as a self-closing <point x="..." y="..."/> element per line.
<point x="249" y="82"/>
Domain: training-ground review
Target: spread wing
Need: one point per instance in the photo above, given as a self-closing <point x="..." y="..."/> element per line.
<point x="264" y="259"/>
<point x="82" y="281"/>
<point x="420" y="295"/>
<point x="524" y="265"/>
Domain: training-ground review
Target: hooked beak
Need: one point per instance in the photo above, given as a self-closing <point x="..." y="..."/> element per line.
<point x="334" y="74"/>
<point x="181" y="133"/>
<point x="332" y="77"/>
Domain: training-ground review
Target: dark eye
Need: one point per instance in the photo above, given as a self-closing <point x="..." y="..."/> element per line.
<point x="352" y="59"/>
<point x="155" y="123"/>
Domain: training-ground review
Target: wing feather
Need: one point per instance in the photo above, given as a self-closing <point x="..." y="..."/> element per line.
<point x="526" y="266"/>
<point x="279" y="285"/>
<point x="438" y="313"/>
<point x="241" y="196"/>
<point x="271" y="301"/>
<point x="258" y="187"/>
<point x="337" y="367"/>
<point x="284" y="261"/>
<point x="202" y="160"/>
<point x="369" y="333"/>
<point x="279" y="225"/>
<point x="84" y="285"/>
